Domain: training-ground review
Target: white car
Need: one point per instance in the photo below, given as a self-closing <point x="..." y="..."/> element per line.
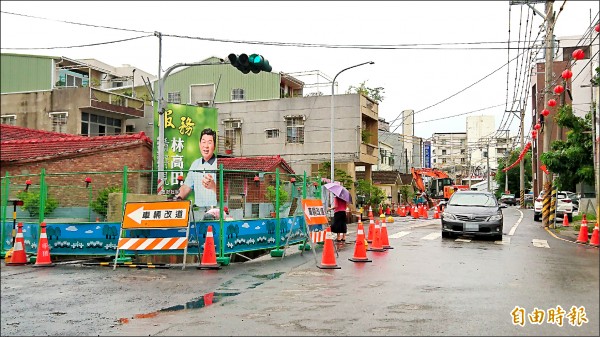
<point x="564" y="205"/>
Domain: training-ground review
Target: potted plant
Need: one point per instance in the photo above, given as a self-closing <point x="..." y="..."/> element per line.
<point x="228" y="146"/>
<point x="271" y="195"/>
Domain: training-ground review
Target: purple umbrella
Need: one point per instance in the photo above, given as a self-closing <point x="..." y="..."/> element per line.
<point x="339" y="191"/>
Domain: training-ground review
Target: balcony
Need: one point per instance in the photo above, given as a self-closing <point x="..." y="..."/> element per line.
<point x="368" y="154"/>
<point x="121" y="104"/>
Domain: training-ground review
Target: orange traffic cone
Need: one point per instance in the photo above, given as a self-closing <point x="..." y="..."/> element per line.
<point x="376" y="246"/>
<point x="43" y="253"/>
<point x="424" y="213"/>
<point x="328" y="259"/>
<point x="595" y="241"/>
<point x="417" y="212"/>
<point x="436" y="213"/>
<point x="583" y="231"/>
<point x="18" y="258"/>
<point x="360" y="251"/>
<point x="385" y="241"/>
<point x="370" y="213"/>
<point x="209" y="257"/>
<point x="565" y="221"/>
<point x="371" y="231"/>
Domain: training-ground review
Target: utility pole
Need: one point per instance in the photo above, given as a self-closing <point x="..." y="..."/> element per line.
<point x="521" y="163"/>
<point x="487" y="155"/>
<point x="549" y="47"/>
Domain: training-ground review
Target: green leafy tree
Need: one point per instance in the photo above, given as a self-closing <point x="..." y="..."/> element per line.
<point x="514" y="175"/>
<point x="340" y="175"/>
<point x="31" y="203"/>
<point x="572" y="158"/>
<point x="374" y="195"/>
<point x="271" y="195"/>
<point x="375" y="94"/>
<point x="100" y="205"/>
<point x="407" y="191"/>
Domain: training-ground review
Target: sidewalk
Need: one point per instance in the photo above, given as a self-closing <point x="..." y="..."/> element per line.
<point x="569" y="233"/>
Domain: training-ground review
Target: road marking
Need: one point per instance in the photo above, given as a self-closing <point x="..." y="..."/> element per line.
<point x="540" y="243"/>
<point x="514" y="227"/>
<point x="462" y="240"/>
<point x="505" y="241"/>
<point x="398" y="235"/>
<point x="432" y="236"/>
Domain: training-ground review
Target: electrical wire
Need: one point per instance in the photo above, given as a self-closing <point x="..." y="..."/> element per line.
<point x="79" y="46"/>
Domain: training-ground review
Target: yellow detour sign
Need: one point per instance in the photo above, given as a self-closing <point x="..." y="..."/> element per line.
<point x="162" y="214"/>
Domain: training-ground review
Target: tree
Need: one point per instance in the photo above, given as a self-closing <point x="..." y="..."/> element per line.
<point x="31" y="203"/>
<point x="340" y="175"/>
<point x="271" y="195"/>
<point x="572" y="159"/>
<point x="100" y="205"/>
<point x="375" y="94"/>
<point x="374" y="195"/>
<point x="514" y="175"/>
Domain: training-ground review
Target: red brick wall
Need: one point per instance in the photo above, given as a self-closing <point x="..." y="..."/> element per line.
<point x="65" y="177"/>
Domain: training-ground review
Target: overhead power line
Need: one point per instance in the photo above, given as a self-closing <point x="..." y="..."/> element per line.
<point x="80" y="46"/>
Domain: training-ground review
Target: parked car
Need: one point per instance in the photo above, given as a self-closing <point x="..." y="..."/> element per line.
<point x="564" y="206"/>
<point x="508" y="199"/>
<point x="574" y="199"/>
<point x="473" y="213"/>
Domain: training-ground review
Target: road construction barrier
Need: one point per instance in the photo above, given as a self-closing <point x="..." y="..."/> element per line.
<point x="155" y="215"/>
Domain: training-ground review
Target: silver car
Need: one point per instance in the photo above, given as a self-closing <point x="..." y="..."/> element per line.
<point x="475" y="213"/>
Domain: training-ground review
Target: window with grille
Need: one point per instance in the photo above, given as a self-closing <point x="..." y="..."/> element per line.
<point x="59" y="121"/>
<point x="9" y="119"/>
<point x="295" y="129"/>
<point x="272" y="133"/>
<point x="238" y="95"/>
<point x="174" y="97"/>
<point x="96" y="125"/>
<point x="230" y="133"/>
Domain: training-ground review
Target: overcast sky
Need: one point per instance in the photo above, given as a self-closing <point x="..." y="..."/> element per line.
<point x="454" y="44"/>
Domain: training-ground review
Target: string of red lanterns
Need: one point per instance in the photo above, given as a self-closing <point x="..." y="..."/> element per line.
<point x="521" y="156"/>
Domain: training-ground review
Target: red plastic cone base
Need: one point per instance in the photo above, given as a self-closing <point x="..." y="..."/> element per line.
<point x="360" y="251"/>
<point x="595" y="241"/>
<point x="209" y="257"/>
<point x="18" y="258"/>
<point x="328" y="259"/>
<point x="43" y="253"/>
<point x="385" y="242"/>
<point x="376" y="246"/>
<point x="583" y="234"/>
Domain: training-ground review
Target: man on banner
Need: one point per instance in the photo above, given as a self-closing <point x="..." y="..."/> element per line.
<point x="201" y="176"/>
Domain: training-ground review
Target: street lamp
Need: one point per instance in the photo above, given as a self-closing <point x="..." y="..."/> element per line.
<point x="161" y="115"/>
<point x="332" y="105"/>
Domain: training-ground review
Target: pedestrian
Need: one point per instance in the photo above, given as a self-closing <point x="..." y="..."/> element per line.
<point x="339" y="226"/>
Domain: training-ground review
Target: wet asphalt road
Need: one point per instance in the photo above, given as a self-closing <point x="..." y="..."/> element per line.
<point x="426" y="285"/>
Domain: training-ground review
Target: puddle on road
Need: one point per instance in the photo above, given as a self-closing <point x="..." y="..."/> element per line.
<point x="203" y="301"/>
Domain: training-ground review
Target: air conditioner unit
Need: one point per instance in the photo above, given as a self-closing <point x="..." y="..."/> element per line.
<point x="203" y="103"/>
<point x="236" y="125"/>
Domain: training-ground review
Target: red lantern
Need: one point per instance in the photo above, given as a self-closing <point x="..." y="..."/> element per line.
<point x="566" y="74"/>
<point x="559" y="89"/>
<point x="597" y="28"/>
<point x="578" y="54"/>
<point x="534" y="134"/>
<point x="88" y="180"/>
<point x="545" y="112"/>
<point x="537" y="126"/>
<point x="552" y="102"/>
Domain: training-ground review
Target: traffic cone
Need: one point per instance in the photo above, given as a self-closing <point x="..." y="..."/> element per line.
<point x="416" y="213"/>
<point x="565" y="220"/>
<point x="209" y="257"/>
<point x="370" y="213"/>
<point x="385" y="241"/>
<point x="376" y="246"/>
<point x="594" y="241"/>
<point x="328" y="259"/>
<point x="424" y="213"/>
<point x="360" y="251"/>
<point x="583" y="231"/>
<point x="43" y="253"/>
<point x="436" y="213"/>
<point x="371" y="231"/>
<point x="18" y="258"/>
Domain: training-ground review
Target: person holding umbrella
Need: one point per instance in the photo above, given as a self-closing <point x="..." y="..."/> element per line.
<point x="340" y="203"/>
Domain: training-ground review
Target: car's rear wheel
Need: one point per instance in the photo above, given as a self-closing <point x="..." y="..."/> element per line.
<point x="536" y="217"/>
<point x="570" y="217"/>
